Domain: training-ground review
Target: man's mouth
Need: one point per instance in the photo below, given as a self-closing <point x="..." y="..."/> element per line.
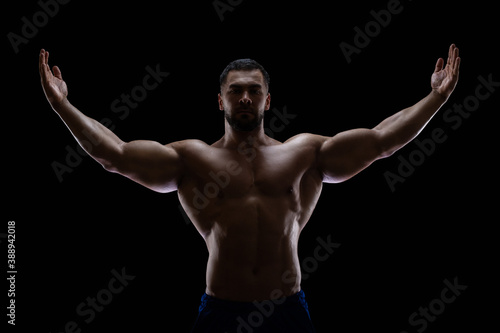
<point x="244" y="111"/>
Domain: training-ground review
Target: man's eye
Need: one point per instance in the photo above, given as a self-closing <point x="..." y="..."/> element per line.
<point x="256" y="91"/>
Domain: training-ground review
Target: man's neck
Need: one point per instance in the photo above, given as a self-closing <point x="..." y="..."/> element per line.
<point x="234" y="139"/>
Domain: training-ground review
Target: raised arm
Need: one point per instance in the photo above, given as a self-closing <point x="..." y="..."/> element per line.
<point x="149" y="163"/>
<point x="347" y="153"/>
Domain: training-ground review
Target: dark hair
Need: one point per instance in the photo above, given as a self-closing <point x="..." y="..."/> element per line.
<point x="244" y="65"/>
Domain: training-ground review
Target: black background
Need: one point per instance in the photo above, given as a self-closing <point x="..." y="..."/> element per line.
<point x="397" y="247"/>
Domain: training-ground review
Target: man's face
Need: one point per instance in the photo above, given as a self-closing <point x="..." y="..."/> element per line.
<point x="244" y="98"/>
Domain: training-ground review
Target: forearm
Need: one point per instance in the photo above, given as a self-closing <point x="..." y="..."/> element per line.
<point x="402" y="127"/>
<point x="97" y="140"/>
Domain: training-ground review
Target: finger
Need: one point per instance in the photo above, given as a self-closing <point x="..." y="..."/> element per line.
<point x="450" y="52"/>
<point x="448" y="59"/>
<point x="41" y="56"/>
<point x="44" y="70"/>
<point x="455" y="54"/>
<point x="452" y="55"/>
<point x="457" y="66"/>
<point x="439" y="65"/>
<point x="57" y="72"/>
<point x="454" y="60"/>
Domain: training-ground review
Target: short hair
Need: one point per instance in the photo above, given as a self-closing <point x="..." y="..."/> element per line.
<point x="244" y="65"/>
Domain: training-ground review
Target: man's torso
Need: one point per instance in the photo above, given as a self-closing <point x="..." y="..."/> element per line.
<point x="250" y="205"/>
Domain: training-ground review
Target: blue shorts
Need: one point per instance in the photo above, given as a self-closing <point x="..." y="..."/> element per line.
<point x="288" y="315"/>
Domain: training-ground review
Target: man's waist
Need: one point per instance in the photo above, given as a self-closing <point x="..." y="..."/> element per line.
<point x="242" y="306"/>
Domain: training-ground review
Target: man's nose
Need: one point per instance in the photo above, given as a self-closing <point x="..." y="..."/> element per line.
<point x="245" y="98"/>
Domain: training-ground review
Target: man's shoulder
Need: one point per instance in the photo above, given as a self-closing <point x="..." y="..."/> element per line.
<point x="188" y="147"/>
<point x="307" y="140"/>
<point x="188" y="144"/>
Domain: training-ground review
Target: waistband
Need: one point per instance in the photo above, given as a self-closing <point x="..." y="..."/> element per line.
<point x="237" y="306"/>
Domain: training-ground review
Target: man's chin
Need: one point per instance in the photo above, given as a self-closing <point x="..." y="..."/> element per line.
<point x="244" y="127"/>
<point x="244" y="122"/>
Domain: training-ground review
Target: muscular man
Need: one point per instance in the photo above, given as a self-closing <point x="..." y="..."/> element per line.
<point x="258" y="193"/>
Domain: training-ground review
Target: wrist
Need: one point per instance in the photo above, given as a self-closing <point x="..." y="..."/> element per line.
<point x="60" y="106"/>
<point x="438" y="96"/>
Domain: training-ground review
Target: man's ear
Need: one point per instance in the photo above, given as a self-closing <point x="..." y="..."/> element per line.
<point x="268" y="102"/>
<point x="221" y="105"/>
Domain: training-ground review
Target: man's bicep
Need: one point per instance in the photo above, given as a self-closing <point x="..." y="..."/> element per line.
<point x="151" y="164"/>
<point x="348" y="153"/>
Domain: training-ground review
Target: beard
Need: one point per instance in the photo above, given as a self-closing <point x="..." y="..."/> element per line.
<point x="244" y="123"/>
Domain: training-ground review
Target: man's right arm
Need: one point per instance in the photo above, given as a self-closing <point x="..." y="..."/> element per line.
<point x="148" y="163"/>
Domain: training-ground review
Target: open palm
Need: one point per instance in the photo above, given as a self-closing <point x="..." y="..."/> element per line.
<point x="444" y="80"/>
<point x="54" y="87"/>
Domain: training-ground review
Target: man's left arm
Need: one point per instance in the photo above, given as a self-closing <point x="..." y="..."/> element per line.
<point x="348" y="153"/>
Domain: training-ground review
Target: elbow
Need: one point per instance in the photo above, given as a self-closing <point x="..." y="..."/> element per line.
<point x="108" y="166"/>
<point x="387" y="144"/>
<point x="111" y="162"/>
<point x="387" y="152"/>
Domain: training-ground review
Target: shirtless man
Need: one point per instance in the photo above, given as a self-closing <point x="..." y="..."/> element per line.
<point x="260" y="192"/>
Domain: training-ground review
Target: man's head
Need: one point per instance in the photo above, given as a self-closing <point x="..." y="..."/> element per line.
<point x="244" y="94"/>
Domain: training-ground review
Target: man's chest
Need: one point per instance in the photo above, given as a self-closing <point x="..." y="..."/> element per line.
<point x="272" y="185"/>
<point x="272" y="170"/>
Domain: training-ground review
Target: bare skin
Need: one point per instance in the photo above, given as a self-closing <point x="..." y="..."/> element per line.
<point x="248" y="195"/>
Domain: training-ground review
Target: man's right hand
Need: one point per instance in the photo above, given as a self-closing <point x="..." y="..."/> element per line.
<point x="54" y="87"/>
